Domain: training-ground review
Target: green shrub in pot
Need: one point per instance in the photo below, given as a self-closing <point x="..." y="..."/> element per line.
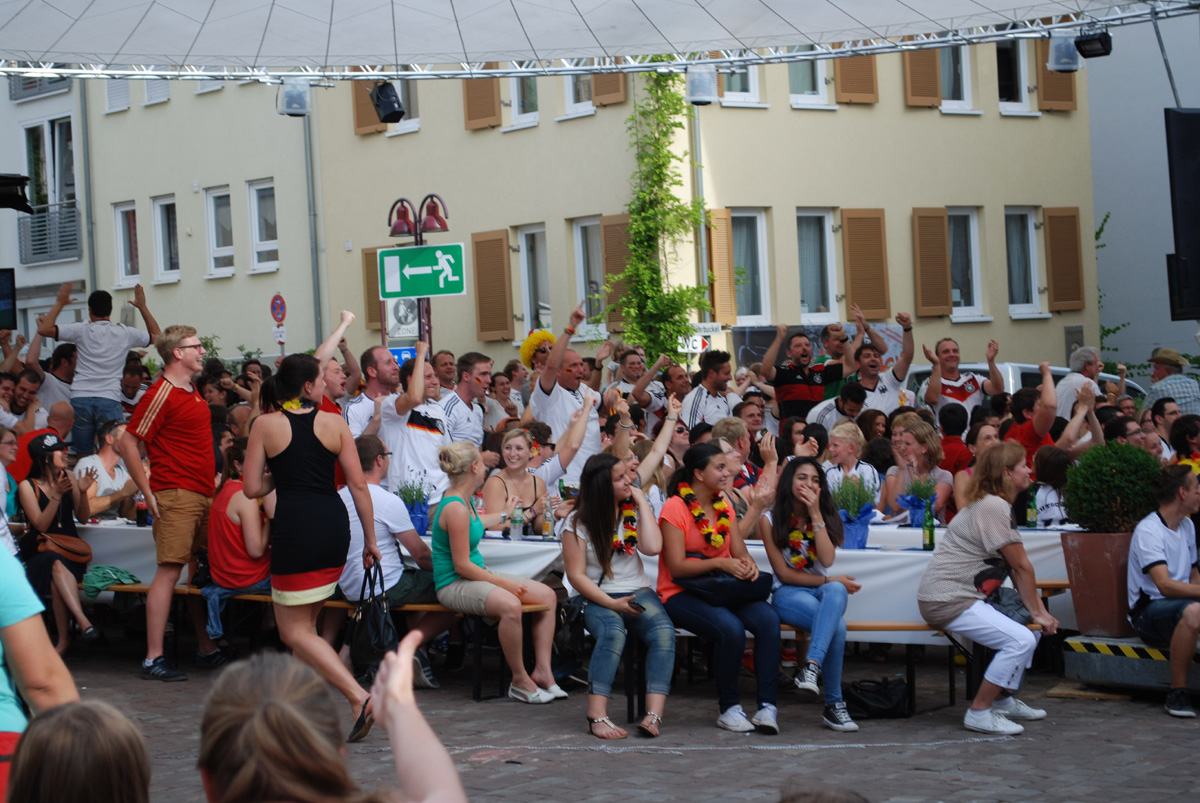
<point x="1108" y="490"/>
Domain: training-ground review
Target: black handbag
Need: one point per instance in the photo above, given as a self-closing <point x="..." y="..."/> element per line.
<point x="886" y="698"/>
<point x="721" y="589"/>
<point x="371" y="633"/>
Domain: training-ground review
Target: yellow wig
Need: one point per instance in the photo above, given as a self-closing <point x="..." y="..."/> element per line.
<point x="534" y="342"/>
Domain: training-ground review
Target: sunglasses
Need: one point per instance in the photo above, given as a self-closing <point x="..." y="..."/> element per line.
<point x="681" y="430"/>
<point x="543" y="351"/>
<point x="192" y="346"/>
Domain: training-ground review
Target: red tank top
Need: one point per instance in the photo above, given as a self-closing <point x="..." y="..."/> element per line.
<point x="230" y="564"/>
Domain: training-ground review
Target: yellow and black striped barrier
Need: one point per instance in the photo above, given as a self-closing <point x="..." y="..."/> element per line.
<point x="1121" y="649"/>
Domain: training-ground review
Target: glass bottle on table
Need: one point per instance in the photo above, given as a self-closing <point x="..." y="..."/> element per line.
<point x="927" y="529"/>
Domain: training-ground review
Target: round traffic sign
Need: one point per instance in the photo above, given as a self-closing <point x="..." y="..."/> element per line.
<point x="278" y="308"/>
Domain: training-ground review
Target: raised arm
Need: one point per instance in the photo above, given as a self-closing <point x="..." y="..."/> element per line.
<point x="34" y="354"/>
<point x="874" y="338"/>
<point x="139" y="301"/>
<point x="328" y="348"/>
<point x="12" y="352"/>
<point x="1043" y="418"/>
<point x="603" y="355"/>
<point x="568" y="445"/>
<point x="414" y="394"/>
<point x="907" y="346"/>
<point x="555" y="358"/>
<point x="48" y="323"/>
<point x="639" y="393"/>
<point x="933" y="386"/>
<point x="662" y="442"/>
<point x="772" y="355"/>
<point x="353" y="371"/>
<point x="622" y="441"/>
<point x="994" y="385"/>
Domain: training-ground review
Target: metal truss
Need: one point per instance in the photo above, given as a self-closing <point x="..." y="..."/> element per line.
<point x="725" y="61"/>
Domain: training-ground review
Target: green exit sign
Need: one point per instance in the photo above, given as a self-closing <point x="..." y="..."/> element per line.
<point x="421" y="271"/>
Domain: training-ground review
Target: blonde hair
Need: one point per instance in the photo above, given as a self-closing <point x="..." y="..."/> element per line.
<point x="513" y="434"/>
<point x="271" y="731"/>
<point x="906" y="420"/>
<point x="87" y="752"/>
<point x="457" y="459"/>
<point x="927" y="436"/>
<point x="170" y="339"/>
<point x="990" y="473"/>
<point x="732" y="429"/>
<point x="643" y="448"/>
<point x="849" y="432"/>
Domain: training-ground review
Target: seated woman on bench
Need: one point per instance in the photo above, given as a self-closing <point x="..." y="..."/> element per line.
<point x="465" y="585"/>
<point x="981" y="546"/>
<point x="611" y="524"/>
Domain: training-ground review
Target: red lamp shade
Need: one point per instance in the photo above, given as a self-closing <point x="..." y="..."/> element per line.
<point x="402" y="226"/>
<point x="433" y="220"/>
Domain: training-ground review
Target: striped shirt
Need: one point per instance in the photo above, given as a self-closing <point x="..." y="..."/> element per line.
<point x="176" y="426"/>
<point x="464" y="419"/>
<point x="700" y="406"/>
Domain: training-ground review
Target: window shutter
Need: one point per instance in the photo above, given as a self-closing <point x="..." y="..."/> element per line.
<point x="931" y="261"/>
<point x="614" y="253"/>
<point x="1056" y="90"/>
<point x="371" y="305"/>
<point x="864" y="251"/>
<point x="854" y="80"/>
<point x="1064" y="258"/>
<point x="723" y="290"/>
<point x="608" y="88"/>
<point x="117" y="94"/>
<point x="366" y="121"/>
<point x="481" y="103"/>
<point x="716" y="54"/>
<point x="493" y="284"/>
<point x="922" y="78"/>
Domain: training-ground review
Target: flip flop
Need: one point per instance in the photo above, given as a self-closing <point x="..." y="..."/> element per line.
<point x="362" y="725"/>
<point x="650" y="730"/>
<point x="617" y="734"/>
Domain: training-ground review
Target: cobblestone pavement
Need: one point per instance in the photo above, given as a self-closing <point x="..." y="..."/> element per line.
<point x="1084" y="751"/>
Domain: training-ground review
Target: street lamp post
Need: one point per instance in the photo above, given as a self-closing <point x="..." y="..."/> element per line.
<point x="408" y="220"/>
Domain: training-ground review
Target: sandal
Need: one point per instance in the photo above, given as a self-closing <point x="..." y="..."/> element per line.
<point x="362" y="725"/>
<point x="618" y="733"/>
<point x="650" y="730"/>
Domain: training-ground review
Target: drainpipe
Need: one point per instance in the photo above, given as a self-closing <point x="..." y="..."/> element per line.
<point x="699" y="193"/>
<point x="85" y="146"/>
<point x="318" y="327"/>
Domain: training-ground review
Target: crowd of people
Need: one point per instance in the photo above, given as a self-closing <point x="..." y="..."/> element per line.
<point x="289" y="479"/>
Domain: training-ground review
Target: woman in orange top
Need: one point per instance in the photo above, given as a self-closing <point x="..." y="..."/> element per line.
<point x="699" y="537"/>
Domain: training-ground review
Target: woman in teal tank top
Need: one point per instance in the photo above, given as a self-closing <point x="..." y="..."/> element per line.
<point x="464" y="583"/>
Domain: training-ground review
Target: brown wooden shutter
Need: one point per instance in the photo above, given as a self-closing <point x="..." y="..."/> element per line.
<point x="481" y="102"/>
<point x="614" y="254"/>
<point x="864" y="252"/>
<point x="370" y="274"/>
<point x="922" y="78"/>
<point x="931" y="261"/>
<point x="366" y="121"/>
<point x="1055" y="90"/>
<point x="723" y="287"/>
<point x="716" y="54"/>
<point x="493" y="285"/>
<point x="854" y="80"/>
<point x="1064" y="258"/>
<point x="608" y="88"/>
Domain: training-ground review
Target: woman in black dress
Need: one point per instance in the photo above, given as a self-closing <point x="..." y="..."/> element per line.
<point x="310" y="533"/>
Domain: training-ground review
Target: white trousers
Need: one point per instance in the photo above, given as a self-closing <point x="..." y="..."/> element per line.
<point x="1014" y="642"/>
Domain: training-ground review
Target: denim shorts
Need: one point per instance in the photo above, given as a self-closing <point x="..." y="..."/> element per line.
<point x="1155" y="623"/>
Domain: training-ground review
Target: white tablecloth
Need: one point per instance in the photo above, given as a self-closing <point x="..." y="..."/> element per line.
<point x="125" y="546"/>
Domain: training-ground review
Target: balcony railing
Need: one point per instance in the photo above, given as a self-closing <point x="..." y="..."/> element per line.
<point x="21" y="87"/>
<point x="50" y="233"/>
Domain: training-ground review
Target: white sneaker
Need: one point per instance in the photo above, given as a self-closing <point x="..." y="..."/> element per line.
<point x="991" y="721"/>
<point x="734" y="719"/>
<point x="765" y="719"/>
<point x="1012" y="708"/>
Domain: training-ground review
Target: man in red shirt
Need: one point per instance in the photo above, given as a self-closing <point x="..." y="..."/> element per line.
<point x="173" y="422"/>
<point x="1033" y="413"/>
<point x="956" y="456"/>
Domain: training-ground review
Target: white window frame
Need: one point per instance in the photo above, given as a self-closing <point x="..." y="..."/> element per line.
<point x="157" y="91"/>
<point x="831" y="315"/>
<point x="526" y="297"/>
<point x="216" y="252"/>
<point x="967" y="104"/>
<point x="819" y="100"/>
<point x="764" y="267"/>
<point x="256" y="245"/>
<point x="749" y="98"/>
<point x="588" y="330"/>
<point x="408" y="93"/>
<point x="571" y="109"/>
<point x="162" y="272"/>
<point x="517" y="120"/>
<point x="1034" y="308"/>
<point x="116" y="95"/>
<point x="1020" y="108"/>
<point x="52" y="155"/>
<point x="119" y="245"/>
<point x="973" y="311"/>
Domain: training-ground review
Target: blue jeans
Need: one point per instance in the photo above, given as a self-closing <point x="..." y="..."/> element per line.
<point x="90" y="413"/>
<point x="609" y="628"/>
<point x="215" y="597"/>
<point x="818" y="610"/>
<point x="1155" y="623"/>
<point x="726" y="629"/>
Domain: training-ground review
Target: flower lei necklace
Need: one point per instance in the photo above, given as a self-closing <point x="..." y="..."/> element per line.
<point x="802" y="546"/>
<point x="714" y="536"/>
<point x="298" y="404"/>
<point x="628" y="526"/>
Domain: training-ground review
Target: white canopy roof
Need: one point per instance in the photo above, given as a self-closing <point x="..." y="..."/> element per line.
<point x="325" y="37"/>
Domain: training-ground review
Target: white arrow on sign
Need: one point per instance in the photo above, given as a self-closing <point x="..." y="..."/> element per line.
<point x="419" y="270"/>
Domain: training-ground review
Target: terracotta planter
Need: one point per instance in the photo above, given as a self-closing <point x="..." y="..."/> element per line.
<point x="1096" y="566"/>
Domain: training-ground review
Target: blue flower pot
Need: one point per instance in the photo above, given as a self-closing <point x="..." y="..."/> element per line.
<point x="418" y="514"/>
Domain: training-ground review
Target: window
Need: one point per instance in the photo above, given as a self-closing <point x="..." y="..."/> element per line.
<point x="535" y="275"/>
<point x="955" y="63"/>
<point x="589" y="265"/>
<point x="806" y="81"/>
<point x="1012" y="76"/>
<point x="407" y="91"/>
<point x="578" y="95"/>
<point x="220" y="232"/>
<point x="125" y="220"/>
<point x="814" y="233"/>
<point x="166" y="240"/>
<point x="523" y="96"/>
<point x="965" y="281"/>
<point x="50" y="160"/>
<point x="741" y="86"/>
<point x="1020" y="242"/>
<point x="264" y="240"/>
<point x="157" y="91"/>
<point x="117" y="94"/>
<point x="749" y="227"/>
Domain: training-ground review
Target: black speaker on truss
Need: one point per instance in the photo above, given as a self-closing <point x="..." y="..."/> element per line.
<point x="387" y="103"/>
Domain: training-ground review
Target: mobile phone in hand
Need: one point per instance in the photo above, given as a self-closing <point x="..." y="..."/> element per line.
<point x="637" y="606"/>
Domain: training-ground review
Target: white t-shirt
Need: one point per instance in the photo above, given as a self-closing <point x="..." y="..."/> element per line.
<point x="465" y="419"/>
<point x="867" y="475"/>
<point x="1050" y="509"/>
<point x="555" y="409"/>
<point x="1067" y="388"/>
<point x="414" y="440"/>
<point x="1155" y="543"/>
<point x="514" y="396"/>
<point x="103" y="346"/>
<point x="7" y="419"/>
<point x="53" y="390"/>
<point x="967" y="390"/>
<point x="391" y="518"/>
<point x="105" y="485"/>
<point x="700" y="406"/>
<point x="628" y="572"/>
<point x="826" y="414"/>
<point x="550" y="472"/>
<point x="358" y="413"/>
<point x="888" y="394"/>
<point x="494" y="413"/>
<point x="1168" y="451"/>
